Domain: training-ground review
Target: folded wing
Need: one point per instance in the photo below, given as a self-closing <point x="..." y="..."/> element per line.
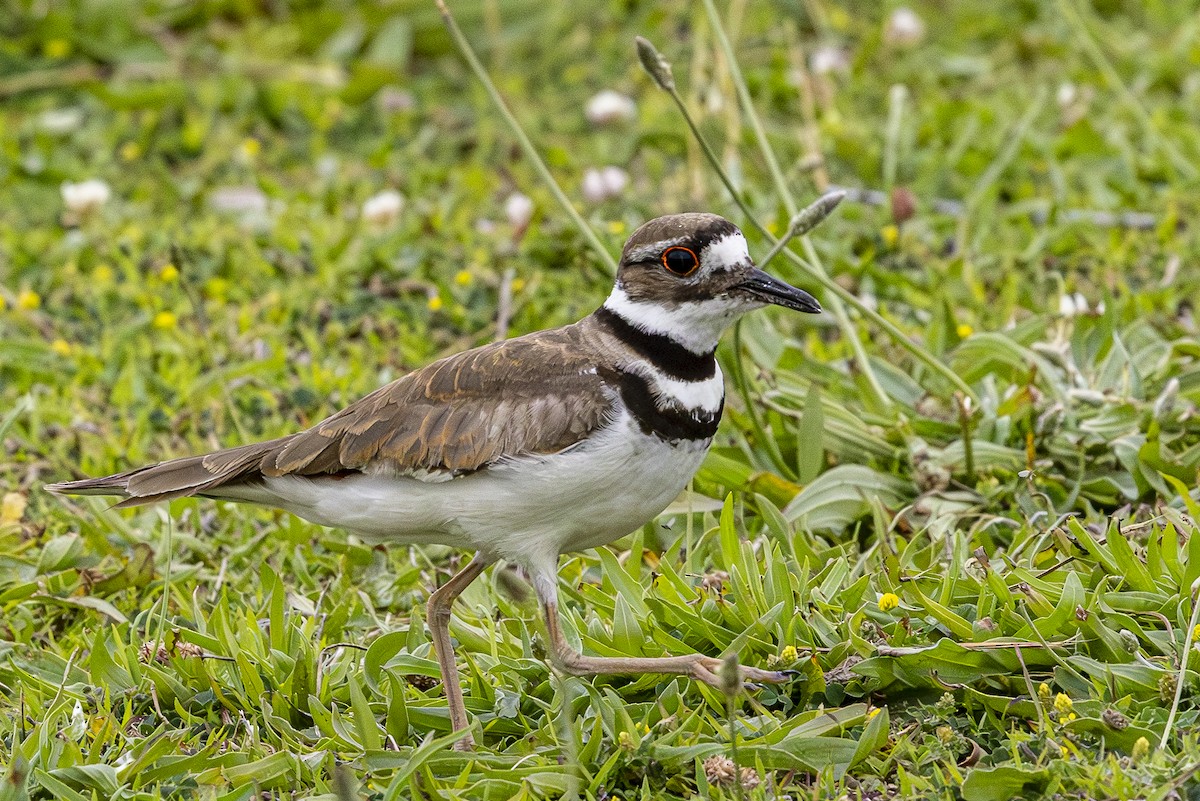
<point x="456" y="416"/>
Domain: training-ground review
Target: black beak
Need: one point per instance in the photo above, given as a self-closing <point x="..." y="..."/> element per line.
<point x="764" y="288"/>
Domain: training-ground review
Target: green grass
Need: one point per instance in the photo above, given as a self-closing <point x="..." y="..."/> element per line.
<point x="982" y="596"/>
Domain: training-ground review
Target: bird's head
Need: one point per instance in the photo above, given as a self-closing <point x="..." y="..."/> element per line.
<point x="691" y="276"/>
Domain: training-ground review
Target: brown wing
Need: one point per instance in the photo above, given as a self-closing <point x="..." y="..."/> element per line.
<point x="458" y="414"/>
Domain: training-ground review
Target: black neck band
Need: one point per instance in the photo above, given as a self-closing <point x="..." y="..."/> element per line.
<point x="671" y="358"/>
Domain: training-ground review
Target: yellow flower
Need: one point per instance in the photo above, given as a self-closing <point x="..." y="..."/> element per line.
<point x="888" y="601"/>
<point x="61" y="346"/>
<point x="642" y="728"/>
<point x="130" y="151"/>
<point x="1063" y="703"/>
<point x="3" y="303"/>
<point x="518" y="284"/>
<point x="616" y="227"/>
<point x="435" y="303"/>
<point x="464" y="278"/>
<point x="891" y="235"/>
<point x="873" y="712"/>
<point x="133" y="233"/>
<point x="217" y="288"/>
<point x="625" y="741"/>
<point x="169" y="273"/>
<point x="56" y="48"/>
<point x="1196" y="632"/>
<point x="103" y="274"/>
<point x="1043" y="692"/>
<point x="1141" y="750"/>
<point x="165" y="320"/>
<point x="789" y="654"/>
<point x="12" y="508"/>
<point x="964" y="330"/>
<point x="28" y="300"/>
<point x="251" y="147"/>
<point x="773" y="227"/>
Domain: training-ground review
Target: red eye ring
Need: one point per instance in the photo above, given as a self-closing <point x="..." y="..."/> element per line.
<point x="680" y="261"/>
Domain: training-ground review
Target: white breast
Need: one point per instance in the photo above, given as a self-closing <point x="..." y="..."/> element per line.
<point x="527" y="510"/>
<point x="700" y="396"/>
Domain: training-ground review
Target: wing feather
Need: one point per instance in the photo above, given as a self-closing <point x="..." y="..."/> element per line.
<point x="457" y="415"/>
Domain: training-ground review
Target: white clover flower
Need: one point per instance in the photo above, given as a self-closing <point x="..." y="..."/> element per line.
<point x="61" y="120"/>
<point x="1067" y="94"/>
<point x="518" y="208"/>
<point x="85" y="196"/>
<point x="829" y="59"/>
<point x="607" y="107"/>
<point x="604" y="184"/>
<point x="904" y="28"/>
<point x="383" y="209"/>
<point x="244" y="201"/>
<point x="1072" y="305"/>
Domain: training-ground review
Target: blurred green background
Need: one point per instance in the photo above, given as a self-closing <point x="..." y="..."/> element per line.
<point x="221" y="221"/>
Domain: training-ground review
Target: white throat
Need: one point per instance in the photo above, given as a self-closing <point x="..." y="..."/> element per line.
<point x="696" y="325"/>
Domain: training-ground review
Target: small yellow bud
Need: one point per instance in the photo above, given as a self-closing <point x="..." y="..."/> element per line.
<point x="217" y="288"/>
<point x="28" y="300"/>
<point x="12" y="508"/>
<point x="518" y="284"/>
<point x="1141" y="750"/>
<point x="963" y="330"/>
<point x="103" y="274"/>
<point x="625" y="741"/>
<point x="616" y="227"/>
<point x="872" y="713"/>
<point x="61" y="346"/>
<point x="165" y="320"/>
<point x="888" y="601"/>
<point x="1063" y="703"/>
<point x="789" y="654"/>
<point x="3" y="303"/>
<point x="435" y="303"/>
<point x="890" y="235"/>
<point x="169" y="273"/>
<point x="56" y="48"/>
<point x="130" y="151"/>
<point x="251" y="147"/>
<point x="463" y="278"/>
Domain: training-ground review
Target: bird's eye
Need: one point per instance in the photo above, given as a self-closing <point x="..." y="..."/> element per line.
<point x="680" y="261"/>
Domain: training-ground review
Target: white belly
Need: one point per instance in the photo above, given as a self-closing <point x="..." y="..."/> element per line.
<point x="526" y="510"/>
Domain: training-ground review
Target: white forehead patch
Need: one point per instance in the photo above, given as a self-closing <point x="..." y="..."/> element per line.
<point x="722" y="254"/>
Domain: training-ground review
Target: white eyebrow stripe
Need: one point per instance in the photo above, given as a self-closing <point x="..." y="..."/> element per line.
<point x="646" y="252"/>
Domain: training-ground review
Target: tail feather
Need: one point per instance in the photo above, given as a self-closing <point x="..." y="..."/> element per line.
<point x="176" y="478"/>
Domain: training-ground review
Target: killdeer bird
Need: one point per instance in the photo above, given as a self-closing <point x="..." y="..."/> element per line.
<point x="524" y="449"/>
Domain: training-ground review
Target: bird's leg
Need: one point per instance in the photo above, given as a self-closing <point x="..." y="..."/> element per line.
<point x="697" y="666"/>
<point x="439" y="626"/>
